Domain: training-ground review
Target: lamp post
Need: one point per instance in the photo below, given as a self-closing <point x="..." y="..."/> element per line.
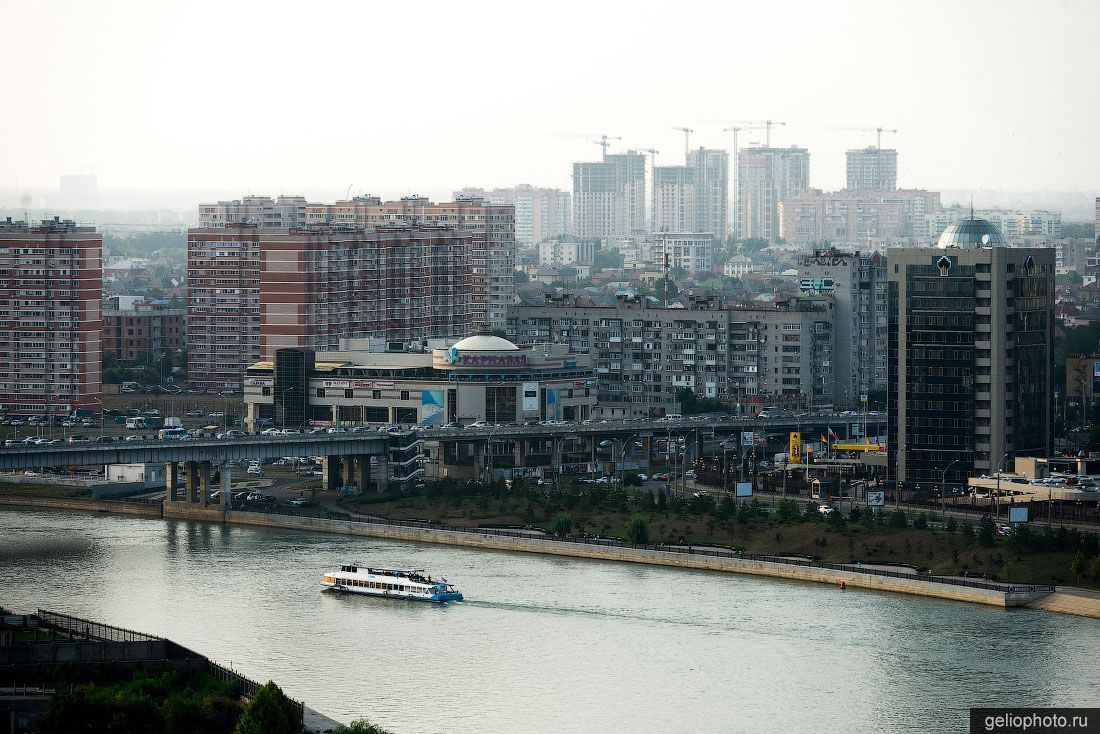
<point x="943" y="491"/>
<point x="623" y="443"/>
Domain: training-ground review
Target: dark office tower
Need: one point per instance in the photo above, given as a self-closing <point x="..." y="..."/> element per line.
<point x="970" y="354"/>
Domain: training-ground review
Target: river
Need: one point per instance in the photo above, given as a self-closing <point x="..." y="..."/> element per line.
<point x="547" y="644"/>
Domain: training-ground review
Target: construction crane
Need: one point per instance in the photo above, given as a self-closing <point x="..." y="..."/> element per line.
<point x="687" y="131"/>
<point x="878" y="131"/>
<point x="599" y="139"/>
<point x="737" y="129"/>
<point x="765" y="125"/>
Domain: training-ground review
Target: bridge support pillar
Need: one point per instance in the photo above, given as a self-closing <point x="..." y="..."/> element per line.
<point x="227" y="480"/>
<point x="191" y="481"/>
<point x="360" y="471"/>
<point x="347" y="471"/>
<point x="171" y="477"/>
<point x="330" y="476"/>
<point x="204" y="483"/>
<point x="517" y="450"/>
<point x="383" y="479"/>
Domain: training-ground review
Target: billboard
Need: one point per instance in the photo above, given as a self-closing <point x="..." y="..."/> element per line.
<point x="876" y="499"/>
<point x="523" y="472"/>
<point x="1096" y="369"/>
<point x="1017" y="514"/>
<point x="744" y="489"/>
<point x="750" y="438"/>
<point x="530" y="403"/>
<point x="553" y="405"/>
<point x="796" y="447"/>
<point x="431" y="410"/>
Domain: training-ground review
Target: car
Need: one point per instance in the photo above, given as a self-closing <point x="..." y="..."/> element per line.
<point x="30" y="473"/>
<point x="132" y="439"/>
<point x="362" y="429"/>
<point x="216" y="414"/>
<point x="106" y="439"/>
<point x="67" y="423"/>
<point x="290" y="432"/>
<point x="690" y="474"/>
<point x="88" y="423"/>
<point x="54" y="442"/>
<point x="297" y="502"/>
<point x="337" y="429"/>
<point x="152" y="412"/>
<point x="480" y="424"/>
<point x="826" y="510"/>
<point x="643" y="477"/>
<point x="1004" y="530"/>
<point x="271" y="432"/>
<point x="700" y="493"/>
<point x="255" y="471"/>
<point x="16" y="422"/>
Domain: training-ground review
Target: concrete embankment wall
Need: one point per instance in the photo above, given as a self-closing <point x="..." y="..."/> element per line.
<point x="607" y="553"/>
<point x="60" y="503"/>
<point x="1082" y="606"/>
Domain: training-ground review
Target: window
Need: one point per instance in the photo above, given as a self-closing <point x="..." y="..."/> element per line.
<point x="376" y="394"/>
<point x="320" y="392"/>
<point x="349" y="393"/>
<point x="404" y="394"/>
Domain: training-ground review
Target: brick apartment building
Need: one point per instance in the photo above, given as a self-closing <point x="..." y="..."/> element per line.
<point x="253" y="289"/>
<point x="51" y="283"/>
<point x="144" y="329"/>
<point x="488" y="231"/>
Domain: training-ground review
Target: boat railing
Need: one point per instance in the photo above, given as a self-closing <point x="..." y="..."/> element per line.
<point x="678" y="549"/>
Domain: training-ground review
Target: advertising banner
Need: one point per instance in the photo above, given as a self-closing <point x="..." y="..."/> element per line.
<point x="431" y="407"/>
<point x="796" y="447"/>
<point x="746" y="438"/>
<point x="744" y="489"/>
<point x="344" y="384"/>
<point x="1017" y="514"/>
<point x="527" y="472"/>
<point x="876" y="499"/>
<point x="553" y="405"/>
<point x="530" y="403"/>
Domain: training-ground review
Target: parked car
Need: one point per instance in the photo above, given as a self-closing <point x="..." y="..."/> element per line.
<point x="826" y="510"/>
<point x="194" y="414"/>
<point x="30" y="473"/>
<point x="297" y="502"/>
<point x="254" y="471"/>
<point x="216" y="414"/>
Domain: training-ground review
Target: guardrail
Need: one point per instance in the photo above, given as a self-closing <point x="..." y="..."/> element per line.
<point x="663" y="548"/>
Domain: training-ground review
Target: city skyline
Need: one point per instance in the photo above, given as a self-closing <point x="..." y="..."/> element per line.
<point x="149" y="132"/>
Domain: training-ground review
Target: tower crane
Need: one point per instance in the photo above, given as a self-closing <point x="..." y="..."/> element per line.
<point x="600" y="139"/>
<point x="765" y="125"/>
<point x="687" y="131"/>
<point x="878" y="131"/>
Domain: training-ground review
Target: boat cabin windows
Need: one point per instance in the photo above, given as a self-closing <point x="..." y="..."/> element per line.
<point x="349" y="569"/>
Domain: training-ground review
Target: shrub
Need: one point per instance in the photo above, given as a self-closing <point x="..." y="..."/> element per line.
<point x="561" y="525"/>
<point x="270" y="712"/>
<point x="638" y="530"/>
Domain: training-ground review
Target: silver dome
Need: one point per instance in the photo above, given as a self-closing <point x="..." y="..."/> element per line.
<point x="969" y="233"/>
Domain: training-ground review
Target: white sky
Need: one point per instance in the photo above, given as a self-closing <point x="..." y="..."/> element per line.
<point x="402" y="97"/>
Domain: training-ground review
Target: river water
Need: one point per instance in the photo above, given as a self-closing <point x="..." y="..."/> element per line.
<point x="546" y="644"/>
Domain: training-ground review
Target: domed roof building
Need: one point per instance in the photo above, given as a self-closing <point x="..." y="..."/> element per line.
<point x="970" y="233"/>
<point x="485" y="343"/>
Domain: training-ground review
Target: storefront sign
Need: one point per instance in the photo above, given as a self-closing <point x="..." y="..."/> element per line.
<point x="344" y="384"/>
<point x="462" y="359"/>
<point x="362" y="384"/>
<point x="259" y="383"/>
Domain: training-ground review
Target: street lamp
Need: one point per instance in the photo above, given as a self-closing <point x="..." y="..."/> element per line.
<point x="623" y="443"/>
<point x="943" y="491"/>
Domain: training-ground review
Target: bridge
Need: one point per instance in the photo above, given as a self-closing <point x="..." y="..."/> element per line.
<point x="396" y="457"/>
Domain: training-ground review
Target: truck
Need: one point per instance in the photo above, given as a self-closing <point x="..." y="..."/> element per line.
<point x="173" y="422"/>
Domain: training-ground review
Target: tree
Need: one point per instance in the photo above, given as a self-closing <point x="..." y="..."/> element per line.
<point x="899" y="521"/>
<point x="561" y="525"/>
<point x="270" y="712"/>
<point x="638" y="530"/>
<point x="519" y="278"/>
<point x="985" y="532"/>
<point x="1079" y="563"/>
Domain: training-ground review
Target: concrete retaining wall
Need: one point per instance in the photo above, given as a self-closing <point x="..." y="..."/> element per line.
<point x="61" y="503"/>
<point x="607" y="553"/>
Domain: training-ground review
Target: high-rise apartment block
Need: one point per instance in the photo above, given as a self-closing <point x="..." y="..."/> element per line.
<point x="693" y="198"/>
<point x="857" y="283"/>
<point x="487" y="230"/>
<point x="51" y="283"/>
<point x="285" y="211"/>
<point x="645" y="353"/>
<point x="765" y="177"/>
<point x="609" y="196"/>
<point x="540" y="213"/>
<point x="848" y="218"/>
<point x="872" y="169"/>
<point x="566" y="251"/>
<point x="253" y="290"/>
<point x="692" y="251"/>
<point x="970" y="355"/>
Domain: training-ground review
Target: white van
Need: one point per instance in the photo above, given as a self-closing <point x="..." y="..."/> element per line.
<point x="771" y="411"/>
<point x="135" y="423"/>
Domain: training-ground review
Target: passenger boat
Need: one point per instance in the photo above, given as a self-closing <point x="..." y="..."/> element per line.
<point x="390" y="582"/>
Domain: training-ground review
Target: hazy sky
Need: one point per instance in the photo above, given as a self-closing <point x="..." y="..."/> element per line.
<point x="425" y="97"/>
